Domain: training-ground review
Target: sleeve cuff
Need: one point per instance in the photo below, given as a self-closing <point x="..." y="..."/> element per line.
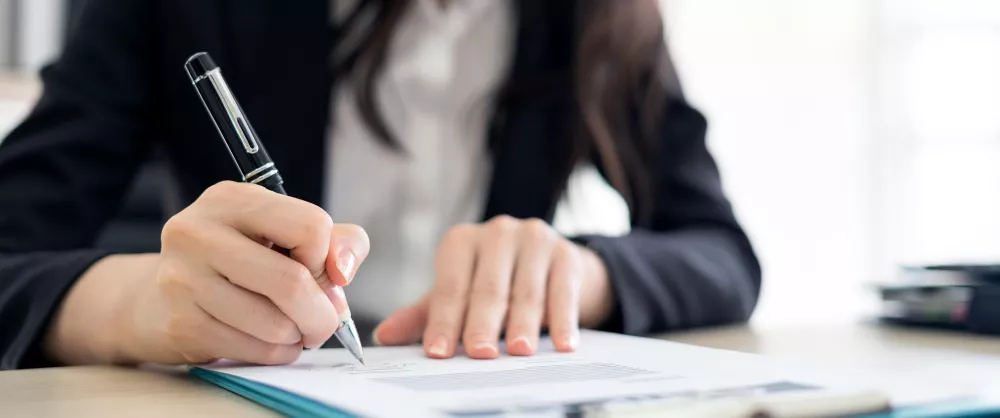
<point x="36" y="285"/>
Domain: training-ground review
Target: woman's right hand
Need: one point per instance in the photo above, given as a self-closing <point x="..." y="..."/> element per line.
<point x="222" y="292"/>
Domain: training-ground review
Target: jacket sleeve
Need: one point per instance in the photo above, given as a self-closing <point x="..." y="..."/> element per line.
<point x="66" y="168"/>
<point x="692" y="265"/>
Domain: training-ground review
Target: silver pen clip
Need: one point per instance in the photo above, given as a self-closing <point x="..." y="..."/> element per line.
<point x="236" y="117"/>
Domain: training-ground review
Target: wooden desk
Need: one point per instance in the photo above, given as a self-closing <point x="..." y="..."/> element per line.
<point x="19" y="86"/>
<point x="106" y="391"/>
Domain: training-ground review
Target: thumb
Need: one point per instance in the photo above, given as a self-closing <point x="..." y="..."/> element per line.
<point x="349" y="246"/>
<point x="404" y="326"/>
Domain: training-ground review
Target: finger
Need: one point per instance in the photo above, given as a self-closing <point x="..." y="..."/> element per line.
<point x="285" y="282"/>
<point x="349" y="246"/>
<point x="339" y="300"/>
<point x="527" y="299"/>
<point x="244" y="310"/>
<point x="213" y="339"/>
<point x="299" y="226"/>
<point x="490" y="293"/>
<point x="404" y="326"/>
<point x="564" y="298"/>
<point x="454" y="263"/>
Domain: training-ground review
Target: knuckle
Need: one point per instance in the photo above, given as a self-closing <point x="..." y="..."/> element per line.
<point x="569" y="253"/>
<point x="293" y="281"/>
<point x="287" y="331"/>
<point x="282" y="330"/>
<point x="503" y="224"/>
<point x="313" y="226"/>
<point x="460" y="233"/>
<point x="489" y="295"/>
<point x="318" y="221"/>
<point x="449" y="295"/>
<point x="171" y="279"/>
<point x="446" y="326"/>
<point x="459" y="236"/>
<point x="179" y="229"/>
<point x="273" y="354"/>
<point x="538" y="230"/>
<point x="527" y="296"/>
<point x="223" y="190"/>
<point x="180" y="329"/>
<point x="186" y="336"/>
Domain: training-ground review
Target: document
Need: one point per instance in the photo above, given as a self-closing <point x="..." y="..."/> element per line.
<point x="608" y="372"/>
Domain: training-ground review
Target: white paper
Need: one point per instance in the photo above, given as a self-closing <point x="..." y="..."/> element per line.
<point x="607" y="369"/>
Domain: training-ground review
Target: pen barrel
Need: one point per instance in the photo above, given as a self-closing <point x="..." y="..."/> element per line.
<point x="248" y="153"/>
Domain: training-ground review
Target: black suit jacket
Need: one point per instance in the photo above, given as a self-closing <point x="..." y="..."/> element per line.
<point x="119" y="90"/>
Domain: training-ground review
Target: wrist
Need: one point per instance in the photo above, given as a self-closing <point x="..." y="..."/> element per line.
<point x="136" y="323"/>
<point x="596" y="297"/>
<point x="88" y="327"/>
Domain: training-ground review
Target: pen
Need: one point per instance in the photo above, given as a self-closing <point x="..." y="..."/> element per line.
<point x="252" y="161"/>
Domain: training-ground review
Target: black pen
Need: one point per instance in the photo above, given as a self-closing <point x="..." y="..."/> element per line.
<point x="254" y="165"/>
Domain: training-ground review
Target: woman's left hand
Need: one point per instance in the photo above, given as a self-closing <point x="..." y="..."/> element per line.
<point x="506" y="275"/>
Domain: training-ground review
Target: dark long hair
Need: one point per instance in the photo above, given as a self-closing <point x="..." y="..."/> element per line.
<point x="619" y="68"/>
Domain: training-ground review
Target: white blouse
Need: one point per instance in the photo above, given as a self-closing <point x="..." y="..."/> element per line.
<point x="436" y="93"/>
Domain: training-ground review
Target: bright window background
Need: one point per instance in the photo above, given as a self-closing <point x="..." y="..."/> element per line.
<point x="941" y="100"/>
<point x="853" y="135"/>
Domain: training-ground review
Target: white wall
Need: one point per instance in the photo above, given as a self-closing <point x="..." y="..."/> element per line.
<point x="41" y="31"/>
<point x="6" y="33"/>
<point x="786" y="86"/>
<point x="940" y="91"/>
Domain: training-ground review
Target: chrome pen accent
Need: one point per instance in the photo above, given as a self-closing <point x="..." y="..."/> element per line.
<point x="259" y="170"/>
<point x="236" y="117"/>
<point x="264" y="176"/>
<point x="348" y="336"/>
<point x="199" y="78"/>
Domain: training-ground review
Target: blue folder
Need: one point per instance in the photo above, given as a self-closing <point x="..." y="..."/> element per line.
<point x="293" y="405"/>
<point x="284" y="402"/>
<point x="965" y="408"/>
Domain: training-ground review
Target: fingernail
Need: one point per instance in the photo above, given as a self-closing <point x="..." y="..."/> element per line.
<point x="486" y="349"/>
<point x="569" y="342"/>
<point x="438" y="348"/>
<point x="521" y="344"/>
<point x="345" y="263"/>
<point x="375" y="336"/>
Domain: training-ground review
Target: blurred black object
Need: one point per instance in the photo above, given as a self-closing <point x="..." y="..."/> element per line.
<point x="962" y="297"/>
<point x="973" y="273"/>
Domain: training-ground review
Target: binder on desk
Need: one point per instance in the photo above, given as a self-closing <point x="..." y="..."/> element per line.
<point x="610" y="376"/>
<point x="959" y="297"/>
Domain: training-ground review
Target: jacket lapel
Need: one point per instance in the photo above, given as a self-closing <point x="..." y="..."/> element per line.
<point x="530" y="123"/>
<point x="279" y="50"/>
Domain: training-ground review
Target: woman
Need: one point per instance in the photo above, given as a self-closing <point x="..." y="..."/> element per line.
<point x="412" y="122"/>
